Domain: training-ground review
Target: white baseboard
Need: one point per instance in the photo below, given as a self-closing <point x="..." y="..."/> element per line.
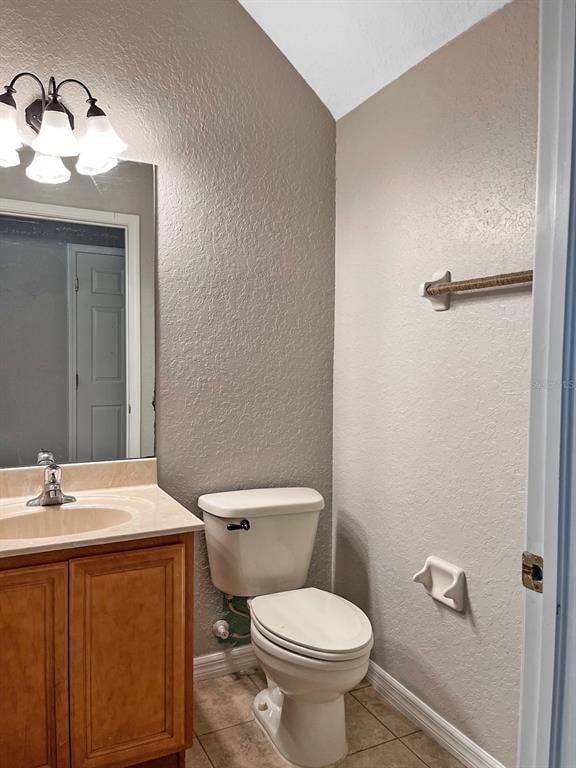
<point x="239" y="659"/>
<point x="443" y="732"/>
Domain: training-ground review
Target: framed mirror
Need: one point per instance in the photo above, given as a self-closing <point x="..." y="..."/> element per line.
<point x="77" y="266"/>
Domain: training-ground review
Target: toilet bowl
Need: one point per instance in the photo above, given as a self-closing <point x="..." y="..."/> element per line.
<point x="313" y="647"/>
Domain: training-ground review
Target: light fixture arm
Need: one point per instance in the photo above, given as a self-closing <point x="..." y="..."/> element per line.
<point x="53" y="89"/>
<point x="10" y="88"/>
<point x="90" y="99"/>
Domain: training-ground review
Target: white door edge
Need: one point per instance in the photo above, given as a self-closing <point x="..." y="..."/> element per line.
<point x="557" y="24"/>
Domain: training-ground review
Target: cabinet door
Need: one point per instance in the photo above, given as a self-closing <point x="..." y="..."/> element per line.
<point x="127" y="652"/>
<point x="34" y="667"/>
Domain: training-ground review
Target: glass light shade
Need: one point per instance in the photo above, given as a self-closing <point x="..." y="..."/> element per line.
<point x="92" y="165"/>
<point x="9" y="158"/>
<point x="56" y="136"/>
<point x="9" y="138"/>
<point x="101" y="139"/>
<point x="47" y="169"/>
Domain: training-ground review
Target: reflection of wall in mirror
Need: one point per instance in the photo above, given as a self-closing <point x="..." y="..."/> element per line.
<point x="34" y="373"/>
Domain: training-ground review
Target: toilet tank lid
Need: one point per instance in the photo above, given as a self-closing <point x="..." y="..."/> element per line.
<point x="261" y="501"/>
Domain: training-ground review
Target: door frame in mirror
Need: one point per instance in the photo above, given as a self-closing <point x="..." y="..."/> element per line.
<point x="130" y="223"/>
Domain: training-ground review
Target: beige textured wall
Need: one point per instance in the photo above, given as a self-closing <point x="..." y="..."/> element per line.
<point x="437" y="171"/>
<point x="245" y="155"/>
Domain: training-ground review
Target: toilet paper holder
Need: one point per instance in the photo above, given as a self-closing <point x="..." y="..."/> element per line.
<point x="443" y="581"/>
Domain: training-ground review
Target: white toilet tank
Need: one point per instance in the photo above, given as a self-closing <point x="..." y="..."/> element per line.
<point x="260" y="541"/>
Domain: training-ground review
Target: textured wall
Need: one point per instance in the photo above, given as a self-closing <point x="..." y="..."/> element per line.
<point x="437" y="171"/>
<point x="245" y="155"/>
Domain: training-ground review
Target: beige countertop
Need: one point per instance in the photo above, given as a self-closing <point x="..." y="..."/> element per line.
<point x="105" y="510"/>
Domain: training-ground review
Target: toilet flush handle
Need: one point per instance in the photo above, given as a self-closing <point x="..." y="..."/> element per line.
<point x="243" y="525"/>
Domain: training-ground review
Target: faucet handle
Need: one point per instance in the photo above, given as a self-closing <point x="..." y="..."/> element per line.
<point x="53" y="473"/>
<point x="45" y="458"/>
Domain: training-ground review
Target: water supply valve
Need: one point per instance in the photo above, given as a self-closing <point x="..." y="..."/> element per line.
<point x="221" y="629"/>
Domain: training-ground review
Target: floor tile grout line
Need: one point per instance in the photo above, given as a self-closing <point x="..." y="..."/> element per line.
<point x="239" y="676"/>
<point x="205" y="753"/>
<point x="254" y="684"/>
<point x="379" y="744"/>
<point x="373" y="746"/>
<point x="416" y="730"/>
<point x="414" y="753"/>
<point x="226" y="728"/>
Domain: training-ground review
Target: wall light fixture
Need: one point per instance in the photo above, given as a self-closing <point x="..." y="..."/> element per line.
<point x="97" y="150"/>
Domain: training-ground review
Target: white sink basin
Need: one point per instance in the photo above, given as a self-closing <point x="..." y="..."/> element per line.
<point x="50" y="522"/>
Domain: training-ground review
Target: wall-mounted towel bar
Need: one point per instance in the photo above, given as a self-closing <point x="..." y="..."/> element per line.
<point x="439" y="289"/>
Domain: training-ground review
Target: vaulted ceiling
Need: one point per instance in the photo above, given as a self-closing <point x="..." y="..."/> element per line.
<point x="347" y="50"/>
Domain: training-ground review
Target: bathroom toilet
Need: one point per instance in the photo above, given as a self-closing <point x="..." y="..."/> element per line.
<point x="314" y="646"/>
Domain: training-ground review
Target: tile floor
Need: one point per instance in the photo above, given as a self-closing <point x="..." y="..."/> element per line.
<point x="227" y="736"/>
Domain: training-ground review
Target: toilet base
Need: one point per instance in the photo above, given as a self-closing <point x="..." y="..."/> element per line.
<point x="307" y="734"/>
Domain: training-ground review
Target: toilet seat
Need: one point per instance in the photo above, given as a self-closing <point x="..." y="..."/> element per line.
<point x="313" y="623"/>
<point x="310" y="653"/>
<point x="295" y="660"/>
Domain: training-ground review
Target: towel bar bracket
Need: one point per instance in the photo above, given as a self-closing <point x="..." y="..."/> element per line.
<point x="440" y="302"/>
<point x="439" y="289"/>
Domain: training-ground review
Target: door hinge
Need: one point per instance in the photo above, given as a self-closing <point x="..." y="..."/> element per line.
<point x="76" y="380"/>
<point x="533" y="571"/>
<point x="76" y="284"/>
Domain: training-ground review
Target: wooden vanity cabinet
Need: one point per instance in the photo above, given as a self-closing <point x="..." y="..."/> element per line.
<point x="96" y="657"/>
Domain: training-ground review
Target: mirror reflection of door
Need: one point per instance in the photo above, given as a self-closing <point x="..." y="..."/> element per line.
<point x="97" y="353"/>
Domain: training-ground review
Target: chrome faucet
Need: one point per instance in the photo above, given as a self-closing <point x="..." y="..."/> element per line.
<point x="51" y="493"/>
